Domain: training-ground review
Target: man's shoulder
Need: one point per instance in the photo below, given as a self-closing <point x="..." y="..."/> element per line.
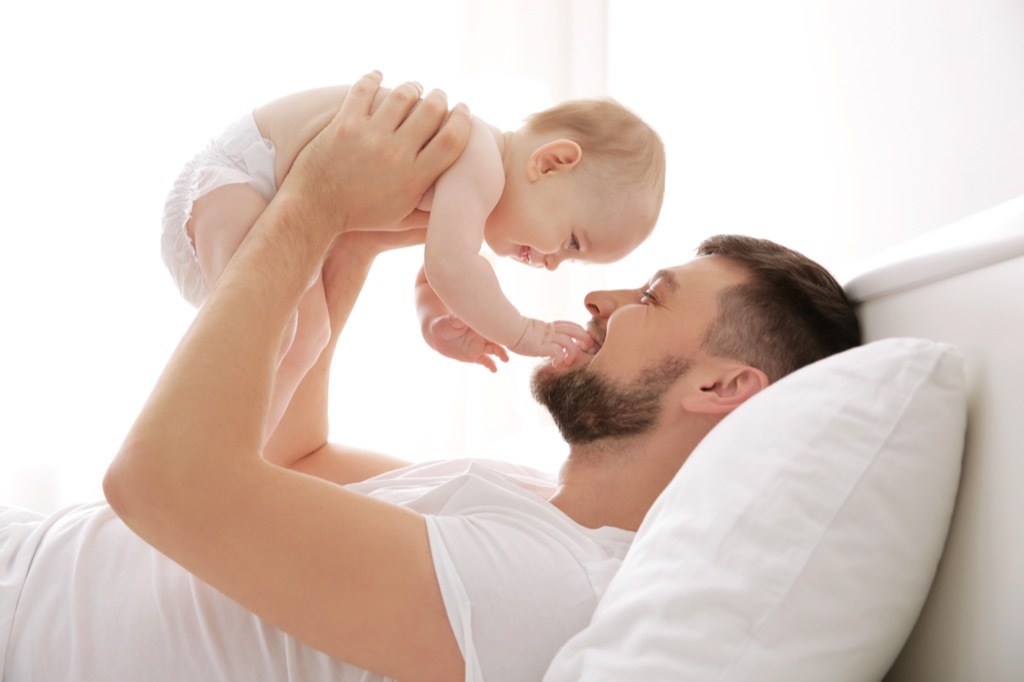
<point x="488" y="473"/>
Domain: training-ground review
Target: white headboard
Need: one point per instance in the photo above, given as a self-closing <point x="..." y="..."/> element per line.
<point x="964" y="284"/>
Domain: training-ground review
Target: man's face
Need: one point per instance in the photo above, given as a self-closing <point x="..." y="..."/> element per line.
<point x="649" y="337"/>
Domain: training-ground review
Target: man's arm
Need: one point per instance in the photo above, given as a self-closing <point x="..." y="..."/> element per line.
<point x="347" y="574"/>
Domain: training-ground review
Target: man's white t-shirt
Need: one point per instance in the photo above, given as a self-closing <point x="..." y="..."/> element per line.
<point x="83" y="598"/>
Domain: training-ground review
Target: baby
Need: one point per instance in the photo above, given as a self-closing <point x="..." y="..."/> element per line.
<point x="583" y="180"/>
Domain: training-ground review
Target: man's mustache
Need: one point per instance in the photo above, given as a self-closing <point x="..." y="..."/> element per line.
<point x="597" y="330"/>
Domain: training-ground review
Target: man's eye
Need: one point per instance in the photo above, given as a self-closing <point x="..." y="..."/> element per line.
<point x="574" y="244"/>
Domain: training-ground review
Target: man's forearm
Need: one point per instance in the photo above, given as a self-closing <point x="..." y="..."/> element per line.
<point x="205" y="417"/>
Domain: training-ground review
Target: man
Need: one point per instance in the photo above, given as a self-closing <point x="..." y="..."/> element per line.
<point x="434" y="572"/>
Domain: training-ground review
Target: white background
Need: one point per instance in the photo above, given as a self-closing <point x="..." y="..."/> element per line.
<point x="837" y="128"/>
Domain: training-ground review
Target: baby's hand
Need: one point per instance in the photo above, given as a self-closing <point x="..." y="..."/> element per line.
<point x="558" y="340"/>
<point x="453" y="338"/>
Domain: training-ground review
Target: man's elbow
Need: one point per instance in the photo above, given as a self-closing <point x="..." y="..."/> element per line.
<point x="116" y="486"/>
<point x="128" y="486"/>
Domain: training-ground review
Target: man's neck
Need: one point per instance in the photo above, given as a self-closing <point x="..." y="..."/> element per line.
<point x="614" y="482"/>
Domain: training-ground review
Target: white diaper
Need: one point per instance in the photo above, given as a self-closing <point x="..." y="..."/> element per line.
<point x="240" y="155"/>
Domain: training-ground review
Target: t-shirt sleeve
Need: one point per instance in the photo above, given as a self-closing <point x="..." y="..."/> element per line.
<point x="516" y="588"/>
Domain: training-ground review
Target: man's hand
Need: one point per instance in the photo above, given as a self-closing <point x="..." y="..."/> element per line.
<point x="368" y="168"/>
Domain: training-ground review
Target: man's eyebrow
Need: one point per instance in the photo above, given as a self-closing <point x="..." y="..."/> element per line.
<point x="668" y="278"/>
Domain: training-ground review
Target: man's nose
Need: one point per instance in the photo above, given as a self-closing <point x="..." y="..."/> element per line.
<point x="601" y="304"/>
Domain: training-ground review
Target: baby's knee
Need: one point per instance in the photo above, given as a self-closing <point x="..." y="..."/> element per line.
<point x="319" y="334"/>
<point x="312" y="335"/>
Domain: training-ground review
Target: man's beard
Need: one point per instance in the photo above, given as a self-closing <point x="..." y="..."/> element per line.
<point x="587" y="407"/>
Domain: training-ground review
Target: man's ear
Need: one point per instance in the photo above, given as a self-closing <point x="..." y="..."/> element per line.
<point x="556" y="156"/>
<point x="723" y="392"/>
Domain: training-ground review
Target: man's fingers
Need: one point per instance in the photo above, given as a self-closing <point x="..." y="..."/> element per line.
<point x="360" y="96"/>
<point x="446" y="146"/>
<point x="425" y="119"/>
<point x="396" y="106"/>
<point x="365" y="169"/>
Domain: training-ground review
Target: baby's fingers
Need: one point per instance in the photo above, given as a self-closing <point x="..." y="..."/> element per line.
<point x="571" y="329"/>
<point x="578" y="338"/>
<point x="487" y="361"/>
<point x="497" y="351"/>
<point x="562" y="350"/>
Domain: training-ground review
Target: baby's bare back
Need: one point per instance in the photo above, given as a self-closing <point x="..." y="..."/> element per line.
<point x="290" y="122"/>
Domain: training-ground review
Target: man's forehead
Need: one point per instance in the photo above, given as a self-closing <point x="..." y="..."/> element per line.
<point x="667" y="278"/>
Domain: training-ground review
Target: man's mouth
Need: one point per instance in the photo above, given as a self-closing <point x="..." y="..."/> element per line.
<point x="597" y="335"/>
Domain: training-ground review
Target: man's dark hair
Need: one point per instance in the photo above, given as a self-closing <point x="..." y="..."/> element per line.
<point x="789" y="313"/>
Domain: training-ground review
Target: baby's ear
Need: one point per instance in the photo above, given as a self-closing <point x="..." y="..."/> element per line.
<point x="556" y="156"/>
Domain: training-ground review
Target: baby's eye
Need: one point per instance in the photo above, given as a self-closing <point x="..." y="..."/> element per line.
<point x="574" y="244"/>
<point x="647" y="297"/>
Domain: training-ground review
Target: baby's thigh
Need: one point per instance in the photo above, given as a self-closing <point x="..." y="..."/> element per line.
<point x="220" y="220"/>
<point x="314" y="323"/>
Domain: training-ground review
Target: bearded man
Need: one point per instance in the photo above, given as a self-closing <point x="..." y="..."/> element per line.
<point x="224" y="554"/>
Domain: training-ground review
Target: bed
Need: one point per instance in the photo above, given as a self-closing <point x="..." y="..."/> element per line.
<point x="861" y="519"/>
<point x="963" y="284"/>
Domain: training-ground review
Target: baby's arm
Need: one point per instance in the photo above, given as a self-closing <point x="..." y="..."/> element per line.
<point x="462" y="279"/>
<point x="448" y="335"/>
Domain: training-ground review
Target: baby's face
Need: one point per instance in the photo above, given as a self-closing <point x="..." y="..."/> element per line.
<point x="546" y="228"/>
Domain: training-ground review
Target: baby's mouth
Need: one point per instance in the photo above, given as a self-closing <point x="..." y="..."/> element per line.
<point x="526" y="256"/>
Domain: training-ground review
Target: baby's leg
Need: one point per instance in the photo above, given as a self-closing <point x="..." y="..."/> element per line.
<point x="220" y="220"/>
<point x="312" y="333"/>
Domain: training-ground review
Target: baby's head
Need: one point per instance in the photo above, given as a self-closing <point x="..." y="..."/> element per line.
<point x="584" y="181"/>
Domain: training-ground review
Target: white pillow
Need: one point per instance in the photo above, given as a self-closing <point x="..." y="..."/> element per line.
<point x="800" y="539"/>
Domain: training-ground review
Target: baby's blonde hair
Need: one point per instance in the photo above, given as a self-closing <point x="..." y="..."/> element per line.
<point x="617" y="145"/>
